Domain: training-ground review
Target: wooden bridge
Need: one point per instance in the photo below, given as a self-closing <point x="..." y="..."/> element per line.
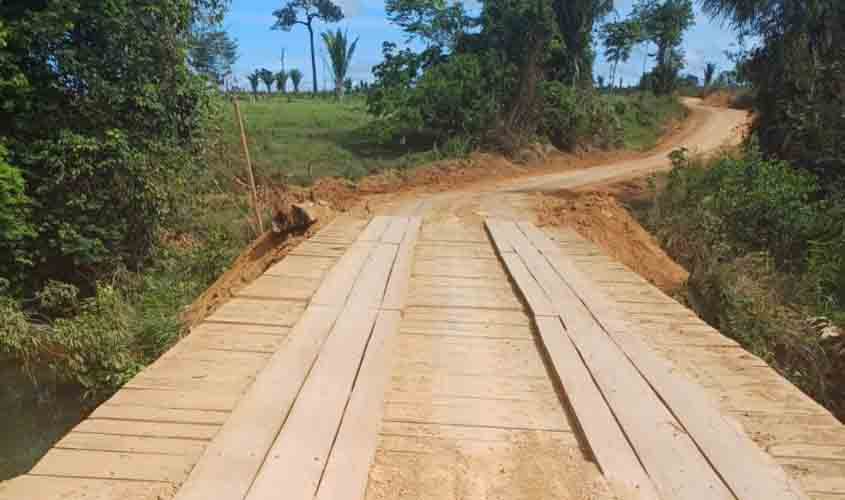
<point x="410" y="357"/>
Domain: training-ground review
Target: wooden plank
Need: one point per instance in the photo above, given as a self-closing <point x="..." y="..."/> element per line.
<point x="159" y="398"/>
<point x="499" y="235"/>
<point x="670" y="458"/>
<point x="607" y="443"/>
<point x="302" y="267"/>
<point x="395" y="231"/>
<point x="537" y="300"/>
<point x="231" y="461"/>
<point x="395" y="297"/>
<point x="369" y="289"/>
<point x="66" y="488"/>
<point x="132" y="444"/>
<point x="299" y="453"/>
<point x="375" y="229"/>
<point x="280" y="288"/>
<point x="152" y="429"/>
<point x="748" y="471"/>
<point x="151" y="414"/>
<point x="346" y="473"/>
<point x="339" y="282"/>
<point x="113" y="465"/>
<point x="263" y="312"/>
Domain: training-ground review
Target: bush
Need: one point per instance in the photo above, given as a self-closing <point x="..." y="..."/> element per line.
<point x="572" y="115"/>
<point x="91" y="348"/>
<point x="766" y="251"/>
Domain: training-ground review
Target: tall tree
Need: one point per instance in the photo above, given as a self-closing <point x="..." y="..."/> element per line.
<point x="340" y="51"/>
<point x="576" y="20"/>
<point x="304" y="12"/>
<point x="282" y="81"/>
<point x="254" y="81"/>
<point x="709" y="73"/>
<point x="295" y="79"/>
<point x="798" y="75"/>
<point x="664" y="24"/>
<point x="268" y="77"/>
<point x="213" y="53"/>
<point x="619" y="39"/>
<point x="436" y="23"/>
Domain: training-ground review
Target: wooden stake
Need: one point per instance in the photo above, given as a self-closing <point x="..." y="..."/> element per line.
<point x="248" y="166"/>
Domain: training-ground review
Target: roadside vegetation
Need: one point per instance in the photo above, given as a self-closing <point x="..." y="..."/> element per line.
<point x="762" y="230"/>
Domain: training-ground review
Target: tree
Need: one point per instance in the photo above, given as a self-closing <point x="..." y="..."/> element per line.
<point x="709" y="72"/>
<point x="254" y="80"/>
<point x="434" y="22"/>
<point x="282" y="81"/>
<point x="268" y="78"/>
<point x="576" y="20"/>
<point x="664" y="25"/>
<point x="619" y="40"/>
<point x="340" y="51"/>
<point x="213" y="53"/>
<point x="304" y="12"/>
<point x="101" y="114"/>
<point x="797" y="72"/>
<point x="295" y="78"/>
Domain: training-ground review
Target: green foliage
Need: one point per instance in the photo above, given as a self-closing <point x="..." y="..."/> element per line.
<point x="764" y="250"/>
<point x="664" y="25"/>
<point x="571" y="115"/>
<point x="296" y="79"/>
<point x="797" y="73"/>
<point x="340" y="51"/>
<point x="15" y="227"/>
<point x="619" y="39"/>
<point x="268" y="78"/>
<point x="435" y="22"/>
<point x="254" y="81"/>
<point x="103" y="121"/>
<point x="282" y="81"/>
<point x="91" y="348"/>
<point x="304" y="12"/>
<point x="213" y="53"/>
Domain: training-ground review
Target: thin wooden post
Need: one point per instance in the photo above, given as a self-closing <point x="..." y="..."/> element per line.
<point x="248" y="165"/>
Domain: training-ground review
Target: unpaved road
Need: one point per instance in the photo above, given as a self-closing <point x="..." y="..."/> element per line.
<point x="471" y="412"/>
<point x="709" y="129"/>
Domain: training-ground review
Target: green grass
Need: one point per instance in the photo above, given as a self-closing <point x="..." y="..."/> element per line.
<point x="300" y="139"/>
<point x="644" y="118"/>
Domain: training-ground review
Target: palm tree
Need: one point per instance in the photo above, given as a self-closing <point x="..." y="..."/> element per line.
<point x="268" y="78"/>
<point x="254" y="80"/>
<point x="282" y="81"/>
<point x="295" y="78"/>
<point x="340" y="55"/>
<point x="709" y="72"/>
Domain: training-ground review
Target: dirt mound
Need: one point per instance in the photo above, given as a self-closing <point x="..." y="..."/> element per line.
<point x="598" y="217"/>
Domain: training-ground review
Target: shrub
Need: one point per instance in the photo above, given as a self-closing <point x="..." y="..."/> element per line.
<point x="574" y="115"/>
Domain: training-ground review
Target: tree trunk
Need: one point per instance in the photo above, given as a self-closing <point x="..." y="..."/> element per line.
<point x="338" y="89"/>
<point x="313" y="59"/>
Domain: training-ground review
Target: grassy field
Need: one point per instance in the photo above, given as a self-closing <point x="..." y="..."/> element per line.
<point x="299" y="139"/>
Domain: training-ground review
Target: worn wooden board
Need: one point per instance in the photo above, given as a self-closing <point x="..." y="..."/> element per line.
<point x="670" y="457"/>
<point x="113" y="465"/>
<point x="339" y="282"/>
<point x="345" y="476"/>
<point x="230" y="463"/>
<point x="66" y="488"/>
<point x="299" y="453"/>
<point x="132" y="444"/>
<point x="746" y="469"/>
<point x="606" y="440"/>
<point x="397" y="288"/>
<point x="375" y="229"/>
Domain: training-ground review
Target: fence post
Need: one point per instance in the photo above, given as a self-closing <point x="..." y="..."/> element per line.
<point x="248" y="166"/>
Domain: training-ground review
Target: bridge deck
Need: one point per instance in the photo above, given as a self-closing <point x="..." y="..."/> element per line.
<point x="457" y="397"/>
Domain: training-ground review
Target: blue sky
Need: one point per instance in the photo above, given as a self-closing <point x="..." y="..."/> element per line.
<point x="249" y="21"/>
